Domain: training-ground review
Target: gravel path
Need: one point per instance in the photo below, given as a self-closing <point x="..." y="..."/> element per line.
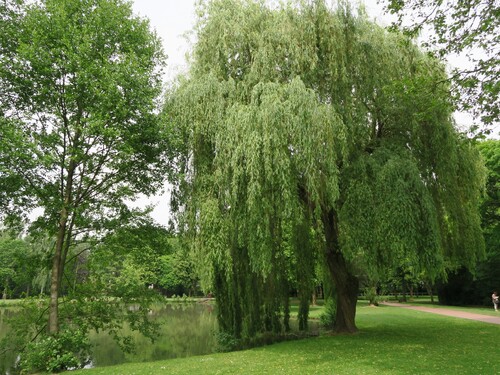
<point x="448" y="312"/>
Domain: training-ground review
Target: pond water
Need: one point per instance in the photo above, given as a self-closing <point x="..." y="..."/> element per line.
<point x="187" y="329"/>
<point x="7" y="360"/>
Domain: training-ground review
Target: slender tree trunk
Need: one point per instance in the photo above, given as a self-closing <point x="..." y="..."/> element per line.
<point x="430" y="292"/>
<point x="59" y="253"/>
<point x="55" y="279"/>
<point x="4" y="293"/>
<point x="403" y="287"/>
<point x="346" y="284"/>
<point x="65" y="250"/>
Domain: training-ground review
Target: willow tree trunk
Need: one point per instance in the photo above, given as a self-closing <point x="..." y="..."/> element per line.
<point x="346" y="284"/>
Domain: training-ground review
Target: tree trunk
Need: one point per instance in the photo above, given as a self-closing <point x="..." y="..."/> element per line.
<point x="4" y="294"/>
<point x="347" y="287"/>
<point x="346" y="284"/>
<point x="60" y="251"/>
<point x="430" y="291"/>
<point x="403" y="287"/>
<point x="55" y="278"/>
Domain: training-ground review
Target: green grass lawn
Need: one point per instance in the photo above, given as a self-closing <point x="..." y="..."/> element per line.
<point x="391" y="341"/>
<point x="426" y="302"/>
<point x="314" y="311"/>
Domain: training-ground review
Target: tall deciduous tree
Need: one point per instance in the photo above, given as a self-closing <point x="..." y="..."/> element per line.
<point x="311" y="132"/>
<point x="462" y="287"/>
<point x="470" y="29"/>
<point x="79" y="82"/>
<point x="488" y="277"/>
<point x="490" y="208"/>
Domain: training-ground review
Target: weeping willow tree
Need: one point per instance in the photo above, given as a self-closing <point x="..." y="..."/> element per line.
<point x="311" y="134"/>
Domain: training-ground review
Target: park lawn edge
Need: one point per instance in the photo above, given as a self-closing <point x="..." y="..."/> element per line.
<point x="390" y="341"/>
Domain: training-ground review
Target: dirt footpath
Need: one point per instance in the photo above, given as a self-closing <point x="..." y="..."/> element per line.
<point x="448" y="312"/>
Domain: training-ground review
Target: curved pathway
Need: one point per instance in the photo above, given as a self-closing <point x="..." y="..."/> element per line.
<point x="448" y="312"/>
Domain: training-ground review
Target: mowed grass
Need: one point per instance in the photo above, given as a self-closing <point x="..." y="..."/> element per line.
<point x="483" y="310"/>
<point x="391" y="341"/>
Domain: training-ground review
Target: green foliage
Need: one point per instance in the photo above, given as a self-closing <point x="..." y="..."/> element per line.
<point x="20" y="263"/>
<point x="468" y="28"/>
<point x="69" y="349"/>
<point x="327" y="318"/>
<point x="11" y="185"/>
<point x="89" y="309"/>
<point x="490" y="217"/>
<point x="371" y="295"/>
<point x="177" y="270"/>
<point x="490" y="207"/>
<point x="10" y="253"/>
<point x="309" y="134"/>
<point x="177" y="274"/>
<point x="110" y="291"/>
<point x="226" y="342"/>
<point x="462" y="287"/>
<point x="131" y="255"/>
<point x="83" y="81"/>
<point x="79" y="81"/>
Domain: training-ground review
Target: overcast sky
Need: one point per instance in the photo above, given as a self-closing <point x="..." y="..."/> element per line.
<point x="171" y="19"/>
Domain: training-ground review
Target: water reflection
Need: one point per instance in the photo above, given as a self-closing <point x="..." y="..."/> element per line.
<point x="8" y="359"/>
<point x="187" y="329"/>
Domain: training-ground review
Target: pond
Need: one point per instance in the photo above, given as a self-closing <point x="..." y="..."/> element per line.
<point x="187" y="329"/>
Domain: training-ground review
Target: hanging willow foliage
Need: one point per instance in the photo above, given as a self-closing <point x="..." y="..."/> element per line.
<point x="299" y="125"/>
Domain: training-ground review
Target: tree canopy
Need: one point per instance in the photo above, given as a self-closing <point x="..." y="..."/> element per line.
<point x="464" y="287"/>
<point x="313" y="134"/>
<point x="79" y="81"/>
<point x="470" y="29"/>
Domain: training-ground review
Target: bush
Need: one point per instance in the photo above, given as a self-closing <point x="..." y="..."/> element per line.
<point x="226" y="342"/>
<point x="64" y="351"/>
<point x="371" y="295"/>
<point x="327" y="319"/>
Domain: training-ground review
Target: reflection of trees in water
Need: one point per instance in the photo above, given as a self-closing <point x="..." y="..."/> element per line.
<point x="7" y="359"/>
<point x="187" y="329"/>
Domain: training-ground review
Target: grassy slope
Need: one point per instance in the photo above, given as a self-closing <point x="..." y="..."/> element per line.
<point x="390" y="341"/>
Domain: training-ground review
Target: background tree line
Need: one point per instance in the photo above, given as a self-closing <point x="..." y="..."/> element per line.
<point x="146" y="255"/>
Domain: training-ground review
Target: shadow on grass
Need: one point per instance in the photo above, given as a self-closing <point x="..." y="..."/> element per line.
<point x="399" y="341"/>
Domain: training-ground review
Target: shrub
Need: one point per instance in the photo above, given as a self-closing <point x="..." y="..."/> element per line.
<point x="66" y="350"/>
<point x="226" y="342"/>
<point x="327" y="319"/>
<point x="371" y="295"/>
